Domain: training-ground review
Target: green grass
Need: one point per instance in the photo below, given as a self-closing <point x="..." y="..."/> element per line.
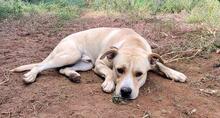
<point x="10" y="8"/>
<point x="207" y="11"/>
<point x="144" y="6"/>
<point x="63" y="9"/>
<point x="134" y="8"/>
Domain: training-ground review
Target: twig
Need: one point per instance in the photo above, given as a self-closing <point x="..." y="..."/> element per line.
<point x="7" y="113"/>
<point x="174" y="57"/>
<point x="181" y="58"/>
<point x="174" y="52"/>
<point x="165" y="34"/>
<point x="177" y="59"/>
<point x="34" y="108"/>
<point x="6" y="77"/>
<point x="211" y="31"/>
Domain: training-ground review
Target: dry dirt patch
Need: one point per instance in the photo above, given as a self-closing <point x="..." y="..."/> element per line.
<point x="32" y="39"/>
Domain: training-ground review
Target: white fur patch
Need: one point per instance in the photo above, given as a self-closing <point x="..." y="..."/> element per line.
<point x="119" y="44"/>
<point x="172" y="74"/>
<point x="110" y="35"/>
<point x="127" y="82"/>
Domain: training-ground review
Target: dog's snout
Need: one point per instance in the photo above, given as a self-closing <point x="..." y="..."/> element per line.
<point x="126" y="92"/>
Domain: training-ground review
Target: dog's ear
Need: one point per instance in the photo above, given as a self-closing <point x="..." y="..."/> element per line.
<point x="110" y="54"/>
<point x="153" y="58"/>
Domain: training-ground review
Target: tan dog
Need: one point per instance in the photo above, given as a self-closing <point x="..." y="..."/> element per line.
<point x="120" y="55"/>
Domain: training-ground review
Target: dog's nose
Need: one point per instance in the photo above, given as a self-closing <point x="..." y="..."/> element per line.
<point x="126" y="92"/>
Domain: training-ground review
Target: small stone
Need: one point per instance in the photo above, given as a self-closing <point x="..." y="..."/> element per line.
<point x="189" y="113"/>
<point x="209" y="91"/>
<point x="146" y="115"/>
<point x="163" y="111"/>
<point x="218" y="51"/>
<point x="193" y="111"/>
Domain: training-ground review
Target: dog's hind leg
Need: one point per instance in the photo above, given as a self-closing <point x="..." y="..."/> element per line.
<point x="84" y="64"/>
<point x="170" y="73"/>
<point x="58" y="59"/>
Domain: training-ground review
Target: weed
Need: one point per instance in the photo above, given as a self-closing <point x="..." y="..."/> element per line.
<point x="200" y="10"/>
<point x="10" y="8"/>
<point x="207" y="11"/>
<point x="172" y="6"/>
<point x="63" y="9"/>
<point x="199" y="43"/>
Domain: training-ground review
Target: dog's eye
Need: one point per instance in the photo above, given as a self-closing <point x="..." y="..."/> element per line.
<point x="138" y="74"/>
<point x="120" y="70"/>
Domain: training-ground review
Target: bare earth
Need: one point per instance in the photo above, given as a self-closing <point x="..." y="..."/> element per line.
<point x="53" y="96"/>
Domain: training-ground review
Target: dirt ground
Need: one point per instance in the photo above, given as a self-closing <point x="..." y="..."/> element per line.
<point x="53" y="96"/>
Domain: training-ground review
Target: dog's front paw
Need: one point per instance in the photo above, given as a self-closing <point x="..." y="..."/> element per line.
<point x="179" y="77"/>
<point x="29" y="77"/>
<point x="108" y="86"/>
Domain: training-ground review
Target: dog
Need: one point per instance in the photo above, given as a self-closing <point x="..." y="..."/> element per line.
<point x="120" y="55"/>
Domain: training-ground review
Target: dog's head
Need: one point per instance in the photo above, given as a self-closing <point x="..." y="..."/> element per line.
<point x="130" y="66"/>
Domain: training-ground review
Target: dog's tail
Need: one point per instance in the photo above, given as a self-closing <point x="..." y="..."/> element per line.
<point x="24" y="67"/>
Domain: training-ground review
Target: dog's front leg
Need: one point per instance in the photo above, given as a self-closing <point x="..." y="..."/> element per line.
<point x="170" y="73"/>
<point x="103" y="70"/>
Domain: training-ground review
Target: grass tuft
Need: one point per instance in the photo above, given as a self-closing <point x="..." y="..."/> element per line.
<point x="10" y="8"/>
<point x="207" y="11"/>
<point x="63" y="9"/>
